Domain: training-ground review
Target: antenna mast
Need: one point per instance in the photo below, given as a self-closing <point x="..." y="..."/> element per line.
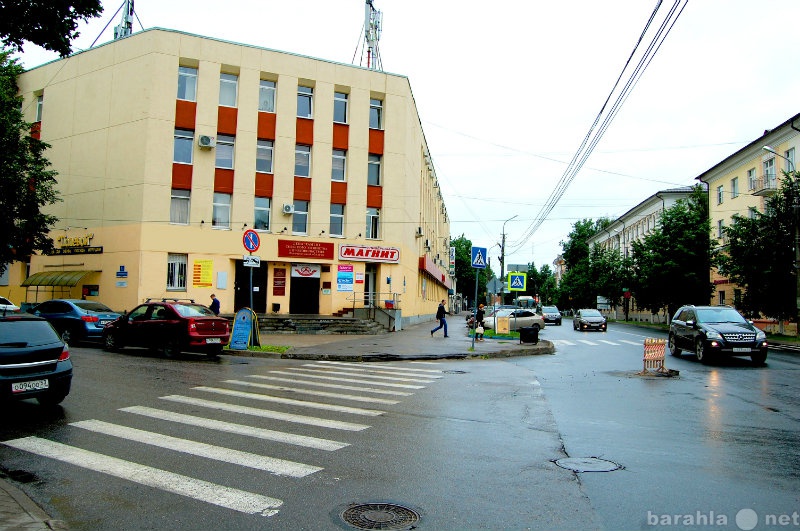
<point x="125" y="27"/>
<point x="372" y="34"/>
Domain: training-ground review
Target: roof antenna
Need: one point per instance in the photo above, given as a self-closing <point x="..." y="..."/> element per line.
<point x="125" y="27"/>
<point x="372" y="34"/>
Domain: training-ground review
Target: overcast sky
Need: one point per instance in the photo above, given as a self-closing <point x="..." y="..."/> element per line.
<point x="506" y="92"/>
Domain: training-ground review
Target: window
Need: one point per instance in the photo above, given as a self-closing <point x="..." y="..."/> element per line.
<point x="340" y="107"/>
<point x="221" y="214"/>
<point x="262" y="207"/>
<point x="720" y="195"/>
<point x="735" y="187"/>
<point x="790" y="160"/>
<point x="769" y="173"/>
<point x="720" y="229"/>
<point x="300" y="217"/>
<point x="373" y="223"/>
<point x="264" y="156"/>
<point x="374" y="170"/>
<point x="224" y="152"/>
<point x="179" y="206"/>
<point x="375" y="114"/>
<point x="183" y="147"/>
<point x="187" y="83"/>
<point x="39" y="107"/>
<point x="266" y="96"/>
<point x="176" y="272"/>
<point x="751" y="179"/>
<point x="337" y="220"/>
<point x="302" y="161"/>
<point x="305" y="97"/>
<point x="339" y="166"/>
<point x="228" y="84"/>
<point x="752" y="213"/>
<point x="722" y="298"/>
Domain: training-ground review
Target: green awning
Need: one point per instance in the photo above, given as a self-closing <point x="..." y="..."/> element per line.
<point x="55" y="278"/>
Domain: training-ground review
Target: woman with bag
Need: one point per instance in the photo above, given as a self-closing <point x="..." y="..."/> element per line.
<point x="479" y="323"/>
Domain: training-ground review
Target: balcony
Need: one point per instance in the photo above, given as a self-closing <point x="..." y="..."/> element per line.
<point x="766" y="185"/>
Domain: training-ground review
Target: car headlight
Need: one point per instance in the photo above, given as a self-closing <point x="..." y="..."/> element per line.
<point x="760" y="335"/>
<point x="713" y="335"/>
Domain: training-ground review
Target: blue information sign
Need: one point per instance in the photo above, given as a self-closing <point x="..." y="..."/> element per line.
<point x="242" y="329"/>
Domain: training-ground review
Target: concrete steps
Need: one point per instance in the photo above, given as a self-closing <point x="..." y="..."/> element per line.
<point x="301" y="324"/>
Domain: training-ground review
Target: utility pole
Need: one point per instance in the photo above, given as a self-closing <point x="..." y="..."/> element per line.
<point x="503" y="255"/>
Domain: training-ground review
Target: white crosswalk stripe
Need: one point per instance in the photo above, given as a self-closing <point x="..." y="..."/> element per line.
<point x="346" y="373"/>
<point x="355" y="398"/>
<point x="587" y="342"/>
<point x="376" y="371"/>
<point x="335" y="386"/>
<point x="608" y="342"/>
<point x="637" y="343"/>
<point x="291" y="401"/>
<point x="350" y="380"/>
<point x="384" y="367"/>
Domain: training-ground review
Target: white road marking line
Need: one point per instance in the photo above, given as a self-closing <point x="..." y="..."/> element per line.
<point x="333" y="386"/>
<point x="587" y="342"/>
<point x="238" y="429"/>
<point x="608" y="342"/>
<point x="342" y="373"/>
<point x="351" y="380"/>
<point x="637" y="343"/>
<point x="291" y="401"/>
<point x="382" y="366"/>
<point x="432" y="363"/>
<point x="237" y="500"/>
<point x="277" y="466"/>
<point x="370" y="372"/>
<point x="265" y="413"/>
<point x="356" y="398"/>
<point x="563" y="342"/>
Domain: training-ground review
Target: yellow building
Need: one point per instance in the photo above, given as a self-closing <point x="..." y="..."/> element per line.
<point x="740" y="184"/>
<point x="177" y="153"/>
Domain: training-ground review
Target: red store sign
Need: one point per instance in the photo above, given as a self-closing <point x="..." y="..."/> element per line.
<point x="368" y="253"/>
<point x="303" y="249"/>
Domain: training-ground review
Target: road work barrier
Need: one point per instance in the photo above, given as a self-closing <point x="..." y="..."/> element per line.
<point x="655" y="351"/>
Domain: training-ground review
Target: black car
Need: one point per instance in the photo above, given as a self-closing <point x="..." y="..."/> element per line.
<point x="34" y="361"/>
<point x="589" y="319"/>
<point x="711" y="331"/>
<point x="77" y="320"/>
<point x="551" y="314"/>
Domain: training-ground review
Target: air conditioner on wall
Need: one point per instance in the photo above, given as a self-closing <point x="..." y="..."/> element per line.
<point x="288" y="209"/>
<point x="206" y="141"/>
<point x="419" y="232"/>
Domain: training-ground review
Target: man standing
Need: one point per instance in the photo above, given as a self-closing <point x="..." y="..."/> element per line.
<point x="214" y="307"/>
<point x="440" y="313"/>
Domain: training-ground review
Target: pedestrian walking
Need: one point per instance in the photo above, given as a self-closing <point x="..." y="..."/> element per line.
<point x="479" y="315"/>
<point x="214" y="307"/>
<point x="440" y="313"/>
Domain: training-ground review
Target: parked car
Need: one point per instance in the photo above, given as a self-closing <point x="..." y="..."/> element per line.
<point x="551" y="315"/>
<point x="171" y="326"/>
<point x="711" y="331"/>
<point x="7" y="306"/>
<point x="517" y="318"/>
<point x="77" y="320"/>
<point x="34" y="361"/>
<point x="589" y="319"/>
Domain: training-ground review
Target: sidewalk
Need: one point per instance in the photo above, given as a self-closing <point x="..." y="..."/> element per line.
<point x="20" y="513"/>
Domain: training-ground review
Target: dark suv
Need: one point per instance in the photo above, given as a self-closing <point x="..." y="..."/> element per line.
<point x="34" y="362"/>
<point x="712" y="331"/>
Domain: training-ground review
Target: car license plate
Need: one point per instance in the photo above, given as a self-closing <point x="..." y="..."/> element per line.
<point x="213" y="340"/>
<point x="104" y="322"/>
<point x="33" y="385"/>
<point x="741" y="349"/>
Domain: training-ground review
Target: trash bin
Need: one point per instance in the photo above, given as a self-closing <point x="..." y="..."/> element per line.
<point x="529" y="334"/>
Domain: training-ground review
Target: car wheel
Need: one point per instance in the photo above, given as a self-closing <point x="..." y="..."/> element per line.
<point x="673" y="347"/>
<point x="70" y="337"/>
<point x="536" y="327"/>
<point x="574" y="326"/>
<point x="700" y="351"/>
<point x="558" y="323"/>
<point x="758" y="359"/>
<point x="112" y="343"/>
<point x="171" y="349"/>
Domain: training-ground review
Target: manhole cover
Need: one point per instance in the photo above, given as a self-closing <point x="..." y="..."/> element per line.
<point x="587" y="464"/>
<point x="454" y="372"/>
<point x="379" y="516"/>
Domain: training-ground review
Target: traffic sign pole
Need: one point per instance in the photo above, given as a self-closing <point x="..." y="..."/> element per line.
<point x="251" y="241"/>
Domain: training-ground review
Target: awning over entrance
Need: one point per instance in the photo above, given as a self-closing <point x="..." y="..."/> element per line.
<point x="55" y="278"/>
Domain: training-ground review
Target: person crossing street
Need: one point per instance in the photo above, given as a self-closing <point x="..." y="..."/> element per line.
<point x="440" y="316"/>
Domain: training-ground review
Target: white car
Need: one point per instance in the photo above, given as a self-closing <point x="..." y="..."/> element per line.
<point x="7" y="306"/>
<point x="519" y="318"/>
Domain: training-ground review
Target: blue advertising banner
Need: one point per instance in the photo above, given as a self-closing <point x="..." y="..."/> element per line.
<point x="243" y="326"/>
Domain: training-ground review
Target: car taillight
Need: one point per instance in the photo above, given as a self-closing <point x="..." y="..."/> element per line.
<point x="192" y="325"/>
<point x="89" y="318"/>
<point x="64" y="354"/>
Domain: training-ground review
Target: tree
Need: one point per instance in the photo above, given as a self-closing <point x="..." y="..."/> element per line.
<point x="576" y="290"/>
<point x="760" y="255"/>
<point x="26" y="184"/>
<point x="609" y="272"/>
<point x="672" y="264"/>
<point x="465" y="273"/>
<point x="47" y="23"/>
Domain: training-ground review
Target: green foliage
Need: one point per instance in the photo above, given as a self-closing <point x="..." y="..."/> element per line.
<point x="465" y="273"/>
<point x="51" y="24"/>
<point x="609" y="273"/>
<point x="26" y="184"/>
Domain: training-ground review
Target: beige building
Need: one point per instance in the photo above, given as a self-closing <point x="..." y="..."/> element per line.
<point x="177" y="153"/>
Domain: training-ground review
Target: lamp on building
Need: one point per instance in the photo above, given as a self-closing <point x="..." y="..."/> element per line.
<point x="244" y="226"/>
<point x="321" y="232"/>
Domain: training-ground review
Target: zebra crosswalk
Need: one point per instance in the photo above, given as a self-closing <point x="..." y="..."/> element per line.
<point x="326" y="395"/>
<point x="595" y="343"/>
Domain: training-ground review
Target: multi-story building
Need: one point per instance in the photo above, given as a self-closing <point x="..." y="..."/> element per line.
<point x="740" y="184"/>
<point x="170" y="147"/>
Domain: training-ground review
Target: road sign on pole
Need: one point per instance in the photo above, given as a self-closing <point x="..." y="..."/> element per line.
<point x="479" y="257"/>
<point x="251" y="240"/>
<point x="250" y="260"/>
<point x="517" y="281"/>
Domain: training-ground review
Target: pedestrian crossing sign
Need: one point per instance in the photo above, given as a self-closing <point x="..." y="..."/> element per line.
<point x="479" y="257"/>
<point x="517" y="281"/>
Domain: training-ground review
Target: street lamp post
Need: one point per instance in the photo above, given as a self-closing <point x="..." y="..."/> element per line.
<point x="796" y="208"/>
<point x="503" y="253"/>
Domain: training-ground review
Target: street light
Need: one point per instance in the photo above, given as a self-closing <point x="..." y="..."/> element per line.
<point x="503" y="250"/>
<point x="770" y="149"/>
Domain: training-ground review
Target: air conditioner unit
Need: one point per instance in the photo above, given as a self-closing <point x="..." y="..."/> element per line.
<point x="206" y="141"/>
<point x="419" y="232"/>
<point x="288" y="209"/>
<point x="427" y="243"/>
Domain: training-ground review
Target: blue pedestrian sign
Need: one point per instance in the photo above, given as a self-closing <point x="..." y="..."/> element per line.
<point x="517" y="281"/>
<point x="479" y="257"/>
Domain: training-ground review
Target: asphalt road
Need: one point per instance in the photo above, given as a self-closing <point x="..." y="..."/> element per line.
<point x="464" y="444"/>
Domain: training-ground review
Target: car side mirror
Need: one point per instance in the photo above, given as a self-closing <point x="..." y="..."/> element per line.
<point x="690" y="324"/>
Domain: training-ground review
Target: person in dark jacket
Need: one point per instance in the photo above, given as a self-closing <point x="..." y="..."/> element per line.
<point x="214" y="307"/>
<point x="479" y="315"/>
<point x="440" y="313"/>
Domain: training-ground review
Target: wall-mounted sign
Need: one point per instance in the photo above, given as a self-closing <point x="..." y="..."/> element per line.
<point x="369" y="253"/>
<point x="279" y="282"/>
<point x="344" y="278"/>
<point x="306" y="270"/>
<point x="75" y="250"/>
<point x="303" y="249"/>
<point x="202" y="273"/>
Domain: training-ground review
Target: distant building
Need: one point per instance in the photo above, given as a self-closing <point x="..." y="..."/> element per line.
<point x="169" y="146"/>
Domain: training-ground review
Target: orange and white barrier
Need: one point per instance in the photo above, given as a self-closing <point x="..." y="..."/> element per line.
<point x="655" y="351"/>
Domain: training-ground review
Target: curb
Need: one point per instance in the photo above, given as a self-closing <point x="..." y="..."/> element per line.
<point x="31" y="517"/>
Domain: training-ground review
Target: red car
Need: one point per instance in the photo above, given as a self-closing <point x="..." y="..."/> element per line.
<point x="171" y="326"/>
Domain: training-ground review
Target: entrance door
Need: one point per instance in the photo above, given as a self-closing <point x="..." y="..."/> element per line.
<point x="370" y="274"/>
<point x="304" y="295"/>
<point x="241" y="287"/>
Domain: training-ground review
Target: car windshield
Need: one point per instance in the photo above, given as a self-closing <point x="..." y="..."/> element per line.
<point x="719" y="315"/>
<point x="549" y="309"/>
<point x="591" y="313"/>
<point x="193" y="310"/>
<point x="93" y="306"/>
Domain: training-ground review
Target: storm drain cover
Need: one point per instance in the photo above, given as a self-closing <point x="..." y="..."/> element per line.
<point x="587" y="464"/>
<point x="379" y="516"/>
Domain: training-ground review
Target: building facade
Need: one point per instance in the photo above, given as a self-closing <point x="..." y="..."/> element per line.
<point x="180" y="156"/>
